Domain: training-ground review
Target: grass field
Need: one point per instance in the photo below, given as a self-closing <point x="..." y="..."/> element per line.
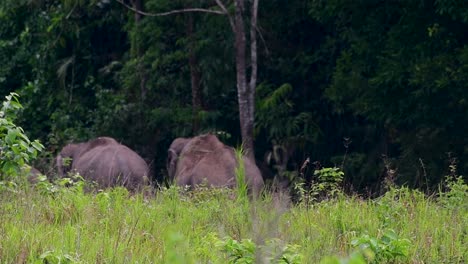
<point x="53" y="224"/>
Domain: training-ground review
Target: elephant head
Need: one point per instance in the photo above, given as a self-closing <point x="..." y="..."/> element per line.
<point x="106" y="162"/>
<point x="75" y="151"/>
<point x="31" y="173"/>
<point x="205" y="159"/>
<point x="173" y="155"/>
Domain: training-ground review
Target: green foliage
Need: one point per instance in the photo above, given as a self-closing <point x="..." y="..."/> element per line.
<point x="170" y="226"/>
<point x="72" y="184"/>
<point x="238" y="251"/>
<point x="387" y="247"/>
<point x="175" y="244"/>
<point x="354" y="258"/>
<point x="276" y="114"/>
<point x="329" y="180"/>
<point x="9" y="186"/>
<point x="398" y="69"/>
<point x="16" y="149"/>
<point x="52" y="257"/>
<point x="456" y="195"/>
<point x="241" y="183"/>
<point x="245" y="251"/>
<point x="289" y="254"/>
<point x="326" y="185"/>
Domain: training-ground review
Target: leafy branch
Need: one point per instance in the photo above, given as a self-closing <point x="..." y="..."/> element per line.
<point x="15" y="147"/>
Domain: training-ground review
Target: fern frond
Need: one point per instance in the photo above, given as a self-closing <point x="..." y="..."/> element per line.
<point x="277" y="96"/>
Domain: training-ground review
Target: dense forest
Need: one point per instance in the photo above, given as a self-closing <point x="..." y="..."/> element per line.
<point x="377" y="88"/>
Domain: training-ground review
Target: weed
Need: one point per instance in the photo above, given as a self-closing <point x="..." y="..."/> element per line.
<point x="53" y="257"/>
<point x="241" y="182"/>
<point x="238" y="251"/>
<point x="388" y="247"/>
<point x="244" y="251"/>
<point x="326" y="186"/>
<point x="456" y="195"/>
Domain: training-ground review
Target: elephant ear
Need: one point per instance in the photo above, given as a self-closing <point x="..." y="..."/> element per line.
<point x="66" y="157"/>
<point x="64" y="164"/>
<point x="173" y="155"/>
<point x="171" y="165"/>
<point x="60" y="166"/>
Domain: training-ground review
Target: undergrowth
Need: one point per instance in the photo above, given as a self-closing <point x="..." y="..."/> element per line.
<point x="61" y="223"/>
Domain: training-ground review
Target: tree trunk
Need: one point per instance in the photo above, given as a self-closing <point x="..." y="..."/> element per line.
<point x="245" y="91"/>
<point x="253" y="59"/>
<point x="138" y="5"/>
<point x="195" y="77"/>
<point x="246" y="117"/>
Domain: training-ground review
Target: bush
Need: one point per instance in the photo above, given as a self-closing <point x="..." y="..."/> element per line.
<point x="245" y="251"/>
<point x="389" y="247"/>
<point x="456" y="195"/>
<point x="16" y="149"/>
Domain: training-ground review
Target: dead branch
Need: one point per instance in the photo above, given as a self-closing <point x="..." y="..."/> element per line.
<point x="304" y="166"/>
<point x="221" y="5"/>
<point x="178" y="11"/>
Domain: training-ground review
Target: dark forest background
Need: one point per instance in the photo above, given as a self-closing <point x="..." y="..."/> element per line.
<point x="379" y="88"/>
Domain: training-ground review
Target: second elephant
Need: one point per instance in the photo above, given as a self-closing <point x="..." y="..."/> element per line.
<point x="106" y="162"/>
<point x="206" y="160"/>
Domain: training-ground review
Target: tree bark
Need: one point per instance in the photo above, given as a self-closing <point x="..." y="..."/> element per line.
<point x="138" y="5"/>
<point x="195" y="76"/>
<point x="245" y="115"/>
<point x="246" y="91"/>
<point x="253" y="58"/>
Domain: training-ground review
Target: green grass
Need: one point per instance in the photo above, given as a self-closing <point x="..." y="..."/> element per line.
<point x="65" y="225"/>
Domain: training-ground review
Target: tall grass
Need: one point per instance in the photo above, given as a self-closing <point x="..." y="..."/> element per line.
<point x="67" y="225"/>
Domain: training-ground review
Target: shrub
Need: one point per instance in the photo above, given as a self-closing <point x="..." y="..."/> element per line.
<point x="16" y="149"/>
<point x="389" y="247"/>
<point x="327" y="184"/>
<point x="245" y="251"/>
<point x="456" y="195"/>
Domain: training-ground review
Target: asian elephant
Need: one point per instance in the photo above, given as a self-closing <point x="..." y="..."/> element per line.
<point x="205" y="159"/>
<point x="106" y="162"/>
<point x="33" y="174"/>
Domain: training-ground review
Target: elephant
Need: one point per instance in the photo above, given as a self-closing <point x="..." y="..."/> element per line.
<point x="106" y="162"/>
<point x="205" y="159"/>
<point x="33" y="175"/>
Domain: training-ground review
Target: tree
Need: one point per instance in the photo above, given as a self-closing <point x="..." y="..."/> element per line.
<point x="195" y="75"/>
<point x="245" y="86"/>
<point x="402" y="68"/>
<point x="245" y="89"/>
<point x="138" y="5"/>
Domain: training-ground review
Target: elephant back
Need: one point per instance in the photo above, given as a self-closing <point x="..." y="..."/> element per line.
<point x="76" y="151"/>
<point x="216" y="168"/>
<point x="253" y="176"/>
<point x="206" y="160"/>
<point x="113" y="165"/>
<point x="195" y="150"/>
<point x="97" y="142"/>
<point x="201" y="145"/>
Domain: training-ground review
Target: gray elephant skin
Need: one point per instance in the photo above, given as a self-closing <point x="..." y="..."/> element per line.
<point x="33" y="175"/>
<point x="206" y="160"/>
<point x="106" y="162"/>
